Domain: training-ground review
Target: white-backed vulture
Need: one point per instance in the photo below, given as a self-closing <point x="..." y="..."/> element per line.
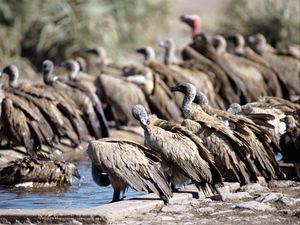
<point x="236" y="142"/>
<point x="128" y="164"/>
<point x="98" y="63"/>
<point x="201" y="80"/>
<point x="121" y="95"/>
<point x="36" y="172"/>
<point x="84" y="102"/>
<point x="89" y="90"/>
<point x="287" y="67"/>
<point x="252" y="78"/>
<point x="183" y="154"/>
<point x="157" y="95"/>
<point x="257" y="136"/>
<point x="275" y="87"/>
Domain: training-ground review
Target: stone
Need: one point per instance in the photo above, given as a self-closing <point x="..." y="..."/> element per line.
<point x="254" y="187"/>
<point x="235" y="196"/>
<point x="231" y="196"/>
<point x="233" y="186"/>
<point x="254" y="205"/>
<point x="262" y="181"/>
<point x="297" y="212"/>
<point x="174" y="209"/>
<point x="221" y="212"/>
<point x="269" y="197"/>
<point x="73" y="222"/>
<point x="206" y="210"/>
<point x="281" y="183"/>
<point x="288" y="201"/>
<point x="167" y="218"/>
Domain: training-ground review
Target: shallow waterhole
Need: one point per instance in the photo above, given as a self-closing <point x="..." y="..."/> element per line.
<point x="83" y="193"/>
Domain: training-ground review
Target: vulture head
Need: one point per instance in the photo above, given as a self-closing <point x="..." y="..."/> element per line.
<point x="145" y="80"/>
<point x="73" y="68"/>
<point x="236" y="44"/>
<point x="258" y="43"/>
<point x="201" y="99"/>
<point x="289" y="121"/>
<point x="148" y="53"/>
<point x="48" y="68"/>
<point x="139" y="113"/>
<point x="82" y="64"/>
<point x="13" y="74"/>
<point x="219" y="44"/>
<point x="234" y="108"/>
<point x="193" y="21"/>
<point x="189" y="92"/>
<point x="75" y="171"/>
<point x="169" y="46"/>
<point x="99" y="52"/>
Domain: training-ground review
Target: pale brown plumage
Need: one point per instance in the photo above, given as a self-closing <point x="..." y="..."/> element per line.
<point x="129" y="164"/>
<point x="188" y="74"/>
<point x="157" y="94"/>
<point x="183" y="153"/>
<point x="238" y="143"/>
<point x="288" y="68"/>
<point x="122" y="95"/>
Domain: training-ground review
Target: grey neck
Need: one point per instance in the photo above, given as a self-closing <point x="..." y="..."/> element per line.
<point x="187" y="103"/>
<point x="169" y="55"/>
<point x="74" y="71"/>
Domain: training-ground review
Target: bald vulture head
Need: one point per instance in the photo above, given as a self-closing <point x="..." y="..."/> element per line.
<point x="139" y="113"/>
<point x="73" y="68"/>
<point x="258" y="43"/>
<point x="99" y="52"/>
<point x="193" y="21"/>
<point x="13" y="74"/>
<point x="82" y="63"/>
<point x="146" y="80"/>
<point x="289" y="121"/>
<point x="189" y="92"/>
<point x="148" y="53"/>
<point x="201" y="99"/>
<point x="236" y="44"/>
<point x="169" y="46"/>
<point x="219" y="44"/>
<point x="48" y="68"/>
<point x="234" y="108"/>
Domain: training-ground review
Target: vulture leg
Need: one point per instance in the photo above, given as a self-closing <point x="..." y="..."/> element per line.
<point x="297" y="165"/>
<point x="116" y="196"/>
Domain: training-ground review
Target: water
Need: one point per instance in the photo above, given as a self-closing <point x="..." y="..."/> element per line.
<point x="82" y="193"/>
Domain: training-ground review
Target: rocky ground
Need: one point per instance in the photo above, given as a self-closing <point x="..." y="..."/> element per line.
<point x="277" y="202"/>
<point x="260" y="203"/>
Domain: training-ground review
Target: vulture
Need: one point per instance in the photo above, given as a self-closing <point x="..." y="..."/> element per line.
<point x="121" y="95"/>
<point x="205" y="125"/>
<point x="257" y="136"/>
<point x="87" y="89"/>
<point x="183" y="154"/>
<point x="84" y="101"/>
<point x="275" y="87"/>
<point x="287" y="67"/>
<point x="127" y="164"/>
<point x="290" y="143"/>
<point x="100" y="64"/>
<point x="37" y="172"/>
<point x="33" y="116"/>
<point x="189" y="74"/>
<point x="255" y="85"/>
<point x="158" y="95"/>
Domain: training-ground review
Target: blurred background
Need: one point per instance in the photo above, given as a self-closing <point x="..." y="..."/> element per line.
<point x="34" y="30"/>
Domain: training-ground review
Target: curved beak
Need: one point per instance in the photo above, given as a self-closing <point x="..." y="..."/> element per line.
<point x="141" y="51"/>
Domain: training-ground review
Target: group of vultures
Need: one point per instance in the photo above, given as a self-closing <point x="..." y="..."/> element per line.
<point x="224" y="112"/>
